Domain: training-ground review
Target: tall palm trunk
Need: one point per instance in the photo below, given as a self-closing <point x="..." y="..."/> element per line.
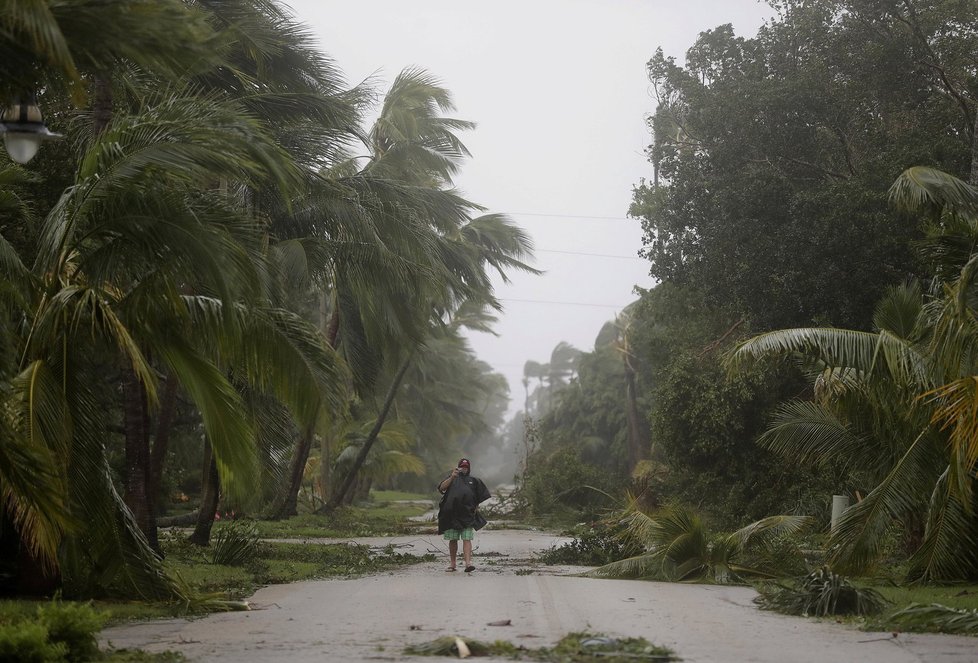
<point x="137" y="479"/>
<point x="164" y="425"/>
<point x="290" y="501"/>
<point x="973" y="180"/>
<point x="340" y="493"/>
<point x="330" y="325"/>
<point x="211" y="492"/>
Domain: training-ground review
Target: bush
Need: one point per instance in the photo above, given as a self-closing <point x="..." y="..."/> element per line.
<point x="27" y="642"/>
<point x="563" y="482"/>
<point x="594" y="545"/>
<point x="74" y="625"/>
<point x="235" y="544"/>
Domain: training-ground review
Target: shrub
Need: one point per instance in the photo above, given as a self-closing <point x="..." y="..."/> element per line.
<point x="821" y="593"/>
<point x="27" y="642"/>
<point x="74" y="625"/>
<point x="235" y="544"/>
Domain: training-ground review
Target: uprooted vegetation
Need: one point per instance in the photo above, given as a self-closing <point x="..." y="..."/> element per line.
<point x="572" y="648"/>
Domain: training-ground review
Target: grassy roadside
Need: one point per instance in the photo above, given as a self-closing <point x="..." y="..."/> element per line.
<point x="23" y="627"/>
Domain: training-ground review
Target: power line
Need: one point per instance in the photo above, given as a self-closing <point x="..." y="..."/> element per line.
<point x="574" y="216"/>
<point x="545" y="301"/>
<point x="597" y="255"/>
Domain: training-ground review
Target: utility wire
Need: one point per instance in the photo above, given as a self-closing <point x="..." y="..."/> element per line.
<point x="546" y="301"/>
<point x="597" y="255"/>
<point x="574" y="216"/>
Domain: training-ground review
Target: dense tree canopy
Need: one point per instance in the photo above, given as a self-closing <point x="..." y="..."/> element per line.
<point x="772" y="154"/>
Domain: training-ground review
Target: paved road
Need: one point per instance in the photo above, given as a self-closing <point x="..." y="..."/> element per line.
<point x="374" y="618"/>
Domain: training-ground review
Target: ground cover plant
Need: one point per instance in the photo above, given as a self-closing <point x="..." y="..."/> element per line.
<point x="379" y="519"/>
<point x="275" y="563"/>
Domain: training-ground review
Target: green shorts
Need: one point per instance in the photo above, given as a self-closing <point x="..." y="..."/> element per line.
<point x="466" y="534"/>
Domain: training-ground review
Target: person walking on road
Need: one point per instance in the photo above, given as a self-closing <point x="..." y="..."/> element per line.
<point x="458" y="511"/>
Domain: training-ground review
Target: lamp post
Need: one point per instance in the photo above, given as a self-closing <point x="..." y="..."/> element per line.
<point x="23" y="130"/>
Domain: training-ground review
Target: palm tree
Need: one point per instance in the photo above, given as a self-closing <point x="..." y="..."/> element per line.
<point x="895" y="404"/>
<point x="165" y="274"/>
<point x="406" y="250"/>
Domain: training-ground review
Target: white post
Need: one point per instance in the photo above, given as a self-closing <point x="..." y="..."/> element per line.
<point x="839" y="505"/>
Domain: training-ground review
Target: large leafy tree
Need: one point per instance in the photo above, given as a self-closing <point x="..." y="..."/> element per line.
<point x="772" y="154"/>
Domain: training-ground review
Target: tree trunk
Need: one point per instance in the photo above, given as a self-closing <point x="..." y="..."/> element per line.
<point x="326" y="461"/>
<point x="337" y="497"/>
<point x="211" y="490"/>
<point x="289" y="505"/>
<point x="164" y="424"/>
<point x="102" y="104"/>
<point x="638" y="433"/>
<point x="973" y="180"/>
<point x="136" y="428"/>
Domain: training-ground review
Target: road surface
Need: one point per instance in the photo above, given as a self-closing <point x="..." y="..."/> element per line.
<point x="374" y="618"/>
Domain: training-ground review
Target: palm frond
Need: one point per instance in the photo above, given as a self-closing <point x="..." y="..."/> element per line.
<point x="811" y="432"/>
<point x="920" y="189"/>
<point x="950" y="538"/>
<point x="858" y="539"/>
<point x="222" y="412"/>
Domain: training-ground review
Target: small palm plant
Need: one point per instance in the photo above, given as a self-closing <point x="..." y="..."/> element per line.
<point x="822" y="592"/>
<point x="678" y="547"/>
<point x="236" y="544"/>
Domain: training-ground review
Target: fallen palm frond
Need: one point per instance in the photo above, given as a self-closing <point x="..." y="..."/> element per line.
<point x="572" y="648"/>
<point x="678" y="547"/>
<point x="821" y="593"/>
<point x="937" y="617"/>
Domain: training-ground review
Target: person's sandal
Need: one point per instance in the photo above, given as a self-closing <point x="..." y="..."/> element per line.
<point x="449" y="569"/>
<point x="469" y="569"/>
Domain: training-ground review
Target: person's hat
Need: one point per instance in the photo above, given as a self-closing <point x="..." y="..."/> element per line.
<point x="464" y="462"/>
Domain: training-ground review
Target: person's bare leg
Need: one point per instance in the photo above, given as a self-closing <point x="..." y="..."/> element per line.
<point x="467" y="553"/>
<point x="453" y="553"/>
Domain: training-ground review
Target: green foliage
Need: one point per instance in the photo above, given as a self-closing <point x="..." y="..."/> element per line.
<point x="704" y="428"/>
<point x="676" y="546"/>
<point x="28" y="642"/>
<point x="819" y="594"/>
<point x="75" y="625"/>
<point x="572" y="648"/>
<point x="275" y="563"/>
<point x="936" y="617"/>
<point x="562" y="483"/>
<point x="876" y="408"/>
<point x="235" y="544"/>
<point x="594" y="544"/>
<point x="139" y="656"/>
<point x="773" y="155"/>
<point x="50" y="632"/>
<point x="381" y="519"/>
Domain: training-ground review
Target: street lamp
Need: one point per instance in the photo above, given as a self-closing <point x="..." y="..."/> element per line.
<point x="23" y="130"/>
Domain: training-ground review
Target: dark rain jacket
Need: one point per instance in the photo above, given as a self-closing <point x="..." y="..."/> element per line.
<point x="457" y="509"/>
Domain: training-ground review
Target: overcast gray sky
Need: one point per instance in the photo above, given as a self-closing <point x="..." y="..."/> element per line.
<point x="559" y="92"/>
